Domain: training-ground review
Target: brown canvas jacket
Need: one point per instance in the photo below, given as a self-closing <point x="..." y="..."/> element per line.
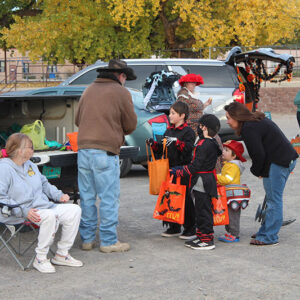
<point x="105" y="115"/>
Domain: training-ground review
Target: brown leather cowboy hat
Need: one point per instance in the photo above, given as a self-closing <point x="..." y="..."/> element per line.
<point x="120" y="66"/>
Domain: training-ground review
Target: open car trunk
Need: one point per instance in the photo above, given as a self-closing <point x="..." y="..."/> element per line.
<point x="58" y="116"/>
<point x="236" y="55"/>
<point x="251" y="70"/>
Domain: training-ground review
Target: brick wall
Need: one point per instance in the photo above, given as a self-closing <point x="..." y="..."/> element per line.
<point x="278" y="99"/>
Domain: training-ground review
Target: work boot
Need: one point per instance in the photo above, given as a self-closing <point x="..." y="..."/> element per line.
<point x="117" y="247"/>
<point x="88" y="246"/>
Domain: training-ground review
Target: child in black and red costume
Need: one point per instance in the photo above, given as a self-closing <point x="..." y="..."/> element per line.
<point x="203" y="181"/>
<point x="180" y="142"/>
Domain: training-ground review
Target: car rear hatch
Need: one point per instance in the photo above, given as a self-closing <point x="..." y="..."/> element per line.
<point x="236" y="56"/>
<point x="255" y="66"/>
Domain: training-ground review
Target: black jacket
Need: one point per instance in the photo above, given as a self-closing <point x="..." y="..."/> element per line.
<point x="266" y="144"/>
<point x="204" y="160"/>
<point x="180" y="152"/>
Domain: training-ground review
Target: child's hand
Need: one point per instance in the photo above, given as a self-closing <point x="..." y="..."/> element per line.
<point x="149" y="141"/>
<point x="177" y="171"/>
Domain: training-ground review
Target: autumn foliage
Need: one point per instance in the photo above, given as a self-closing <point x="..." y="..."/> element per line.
<point x="83" y="31"/>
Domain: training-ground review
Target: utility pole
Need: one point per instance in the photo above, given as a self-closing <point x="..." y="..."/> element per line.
<point x="5" y="63"/>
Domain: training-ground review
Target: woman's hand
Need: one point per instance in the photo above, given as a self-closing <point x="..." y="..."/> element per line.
<point x="208" y="102"/>
<point x="64" y="198"/>
<point x="33" y="215"/>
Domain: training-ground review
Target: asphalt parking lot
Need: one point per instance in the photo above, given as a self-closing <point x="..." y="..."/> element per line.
<point x="162" y="268"/>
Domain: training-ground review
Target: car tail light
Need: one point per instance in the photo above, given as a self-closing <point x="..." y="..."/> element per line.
<point x="159" y="119"/>
<point x="238" y="96"/>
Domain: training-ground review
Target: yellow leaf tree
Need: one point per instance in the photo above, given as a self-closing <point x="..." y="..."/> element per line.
<point x="83" y="31"/>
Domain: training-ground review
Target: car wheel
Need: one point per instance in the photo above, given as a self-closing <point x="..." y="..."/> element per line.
<point x="234" y="205"/>
<point x="125" y="166"/>
<point x="145" y="166"/>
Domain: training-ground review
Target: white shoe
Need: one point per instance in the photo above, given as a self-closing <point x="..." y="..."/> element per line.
<point x="43" y="266"/>
<point x="66" y="261"/>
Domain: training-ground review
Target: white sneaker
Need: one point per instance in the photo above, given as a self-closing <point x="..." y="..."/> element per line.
<point x="43" y="266"/>
<point x="66" y="261"/>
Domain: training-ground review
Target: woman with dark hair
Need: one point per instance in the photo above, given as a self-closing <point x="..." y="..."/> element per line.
<point x="273" y="159"/>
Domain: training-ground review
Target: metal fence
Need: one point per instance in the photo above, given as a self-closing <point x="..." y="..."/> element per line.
<point x="22" y="70"/>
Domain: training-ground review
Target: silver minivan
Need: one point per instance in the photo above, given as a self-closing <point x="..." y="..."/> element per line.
<point x="220" y="80"/>
<point x="220" y="77"/>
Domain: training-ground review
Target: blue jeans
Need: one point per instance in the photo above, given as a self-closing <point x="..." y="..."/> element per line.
<point x="274" y="186"/>
<point x="98" y="175"/>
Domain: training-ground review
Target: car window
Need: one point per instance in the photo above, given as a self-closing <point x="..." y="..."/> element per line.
<point x="213" y="76"/>
<point x="86" y="78"/>
<point x="178" y="69"/>
<point x="46" y="93"/>
<point x="137" y="99"/>
<point x="142" y="72"/>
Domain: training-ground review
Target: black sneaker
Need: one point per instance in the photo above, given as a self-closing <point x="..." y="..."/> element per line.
<point x="188" y="234"/>
<point x="197" y="244"/>
<point x="171" y="232"/>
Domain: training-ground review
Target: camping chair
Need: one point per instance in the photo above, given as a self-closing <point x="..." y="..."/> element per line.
<point x="12" y="232"/>
<point x="10" y="237"/>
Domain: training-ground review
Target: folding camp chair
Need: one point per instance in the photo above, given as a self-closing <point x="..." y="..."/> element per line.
<point x="12" y="232"/>
<point x="10" y="237"/>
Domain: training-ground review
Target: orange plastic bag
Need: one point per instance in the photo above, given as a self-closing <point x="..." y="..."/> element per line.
<point x="170" y="202"/>
<point x="73" y="136"/>
<point x="296" y="143"/>
<point x="158" y="170"/>
<point x="219" y="207"/>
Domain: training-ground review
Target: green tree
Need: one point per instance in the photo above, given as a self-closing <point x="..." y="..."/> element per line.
<point x="82" y="31"/>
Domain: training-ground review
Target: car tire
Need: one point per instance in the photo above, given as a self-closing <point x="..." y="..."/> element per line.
<point x="125" y="166"/>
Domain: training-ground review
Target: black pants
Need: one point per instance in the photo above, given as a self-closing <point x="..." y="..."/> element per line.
<point x="189" y="209"/>
<point x="204" y="216"/>
<point x="298" y="117"/>
<point x="234" y="222"/>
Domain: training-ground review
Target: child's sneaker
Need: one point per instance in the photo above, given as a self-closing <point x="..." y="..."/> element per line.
<point x="228" y="238"/>
<point x="188" y="234"/>
<point x="197" y="244"/>
<point x="171" y="232"/>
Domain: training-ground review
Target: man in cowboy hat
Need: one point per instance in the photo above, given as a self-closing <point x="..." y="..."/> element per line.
<point x="105" y="114"/>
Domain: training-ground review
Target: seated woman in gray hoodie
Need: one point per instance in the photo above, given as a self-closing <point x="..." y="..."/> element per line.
<point x="22" y="183"/>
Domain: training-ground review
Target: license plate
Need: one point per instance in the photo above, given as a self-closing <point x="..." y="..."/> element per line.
<point x="51" y="172"/>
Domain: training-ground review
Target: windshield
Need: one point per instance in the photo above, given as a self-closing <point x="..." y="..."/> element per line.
<point x="137" y="98"/>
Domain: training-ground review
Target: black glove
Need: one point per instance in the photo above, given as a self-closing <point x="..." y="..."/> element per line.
<point x="177" y="171"/>
<point x="150" y="141"/>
